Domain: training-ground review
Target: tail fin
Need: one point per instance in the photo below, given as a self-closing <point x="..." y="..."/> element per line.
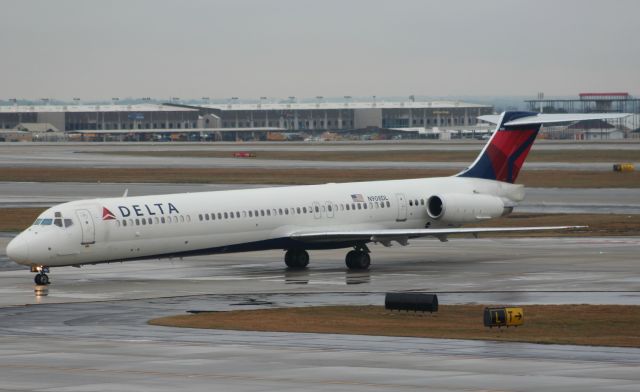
<point x="504" y="154"/>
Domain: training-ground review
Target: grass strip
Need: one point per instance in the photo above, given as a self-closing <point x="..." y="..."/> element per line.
<point x="302" y="176"/>
<point x="597" y="325"/>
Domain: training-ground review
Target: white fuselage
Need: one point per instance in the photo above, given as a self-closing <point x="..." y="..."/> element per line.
<point x="129" y="228"/>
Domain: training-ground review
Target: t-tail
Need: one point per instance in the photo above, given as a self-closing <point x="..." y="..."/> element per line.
<point x="503" y="156"/>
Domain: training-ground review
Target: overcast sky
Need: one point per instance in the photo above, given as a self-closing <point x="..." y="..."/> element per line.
<point x="194" y="48"/>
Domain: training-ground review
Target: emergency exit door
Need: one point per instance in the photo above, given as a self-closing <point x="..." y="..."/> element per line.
<point x="402" y="207"/>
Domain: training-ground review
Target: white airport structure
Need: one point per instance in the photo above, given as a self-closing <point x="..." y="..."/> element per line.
<point x="419" y="118"/>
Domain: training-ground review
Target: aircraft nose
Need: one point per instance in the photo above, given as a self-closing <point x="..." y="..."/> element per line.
<point x="18" y="250"/>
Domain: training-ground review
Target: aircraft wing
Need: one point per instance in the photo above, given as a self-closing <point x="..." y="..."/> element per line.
<point x="404" y="234"/>
<point x="554" y="118"/>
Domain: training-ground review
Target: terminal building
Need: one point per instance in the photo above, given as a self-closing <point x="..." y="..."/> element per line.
<point x="240" y="121"/>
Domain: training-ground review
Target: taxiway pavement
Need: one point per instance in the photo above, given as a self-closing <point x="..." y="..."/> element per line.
<point x="88" y="331"/>
<point x="92" y="155"/>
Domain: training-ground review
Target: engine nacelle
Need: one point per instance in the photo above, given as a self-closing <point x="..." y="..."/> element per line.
<point x="456" y="208"/>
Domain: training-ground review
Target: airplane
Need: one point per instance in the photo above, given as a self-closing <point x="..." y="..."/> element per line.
<point x="295" y="218"/>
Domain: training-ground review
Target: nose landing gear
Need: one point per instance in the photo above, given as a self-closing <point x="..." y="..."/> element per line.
<point x="41" y="278"/>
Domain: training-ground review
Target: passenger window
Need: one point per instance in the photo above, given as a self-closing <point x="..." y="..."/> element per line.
<point x="353" y="206"/>
<point x="411" y="203"/>
<point x="57" y="222"/>
<point x="317" y="209"/>
<point x="261" y="212"/>
<point x="348" y="208"/>
<point x="124" y="222"/>
<point x="329" y="207"/>
<point x="244" y="214"/>
<point x="117" y="223"/>
<point x="268" y="212"/>
<point x="280" y="211"/>
<point x="162" y="219"/>
<point x="175" y="219"/>
<point x="286" y="211"/>
<point x="200" y="216"/>
<point x="181" y="218"/>
<point x="144" y="222"/>
<point x="130" y="222"/>
<point x="256" y="213"/>
<point x="341" y="207"/>
<point x="150" y="220"/>
<point x="359" y="206"/>
<point x="370" y="204"/>
<point x="220" y="215"/>
<point x="364" y="205"/>
<point x="421" y="202"/>
<point x="213" y="216"/>
<point x="226" y="215"/>
<point x="304" y="209"/>
<point x="388" y="204"/>
<point x="299" y="211"/>
<point x="188" y="218"/>
<point x="250" y="214"/>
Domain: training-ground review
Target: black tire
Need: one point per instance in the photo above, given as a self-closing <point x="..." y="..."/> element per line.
<point x="288" y="259"/>
<point x="44" y="279"/>
<point x="357" y="260"/>
<point x="296" y="258"/>
<point x="36" y="279"/>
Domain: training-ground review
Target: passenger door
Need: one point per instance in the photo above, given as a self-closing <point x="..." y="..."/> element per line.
<point x="87" y="226"/>
<point x="402" y="207"/>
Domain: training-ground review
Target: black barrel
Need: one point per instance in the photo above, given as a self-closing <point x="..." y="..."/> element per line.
<point x="418" y="302"/>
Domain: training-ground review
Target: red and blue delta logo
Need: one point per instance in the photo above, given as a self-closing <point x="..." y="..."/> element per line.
<point x="107" y="215"/>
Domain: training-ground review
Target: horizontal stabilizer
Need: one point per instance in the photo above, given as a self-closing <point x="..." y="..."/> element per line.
<point x="555" y="118"/>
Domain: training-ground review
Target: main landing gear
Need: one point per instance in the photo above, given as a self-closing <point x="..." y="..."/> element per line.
<point x="41" y="277"/>
<point x="296" y="258"/>
<point x="356" y="260"/>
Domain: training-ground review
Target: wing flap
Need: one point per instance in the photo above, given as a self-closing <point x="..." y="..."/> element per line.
<point x="400" y="234"/>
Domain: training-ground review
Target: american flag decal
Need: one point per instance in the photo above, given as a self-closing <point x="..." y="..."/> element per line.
<point x="107" y="215"/>
<point x="357" y="198"/>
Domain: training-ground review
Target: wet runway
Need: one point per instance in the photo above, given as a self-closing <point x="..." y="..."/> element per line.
<point x="538" y="200"/>
<point x="90" y="155"/>
<point x="89" y="332"/>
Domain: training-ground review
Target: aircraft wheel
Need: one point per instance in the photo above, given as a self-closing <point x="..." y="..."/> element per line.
<point x="357" y="260"/>
<point x="41" y="279"/>
<point x="296" y="258"/>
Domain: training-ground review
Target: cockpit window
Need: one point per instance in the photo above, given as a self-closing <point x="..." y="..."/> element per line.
<point x="68" y="222"/>
<point x="57" y="222"/>
<point x="46" y="221"/>
<point x="37" y="222"/>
